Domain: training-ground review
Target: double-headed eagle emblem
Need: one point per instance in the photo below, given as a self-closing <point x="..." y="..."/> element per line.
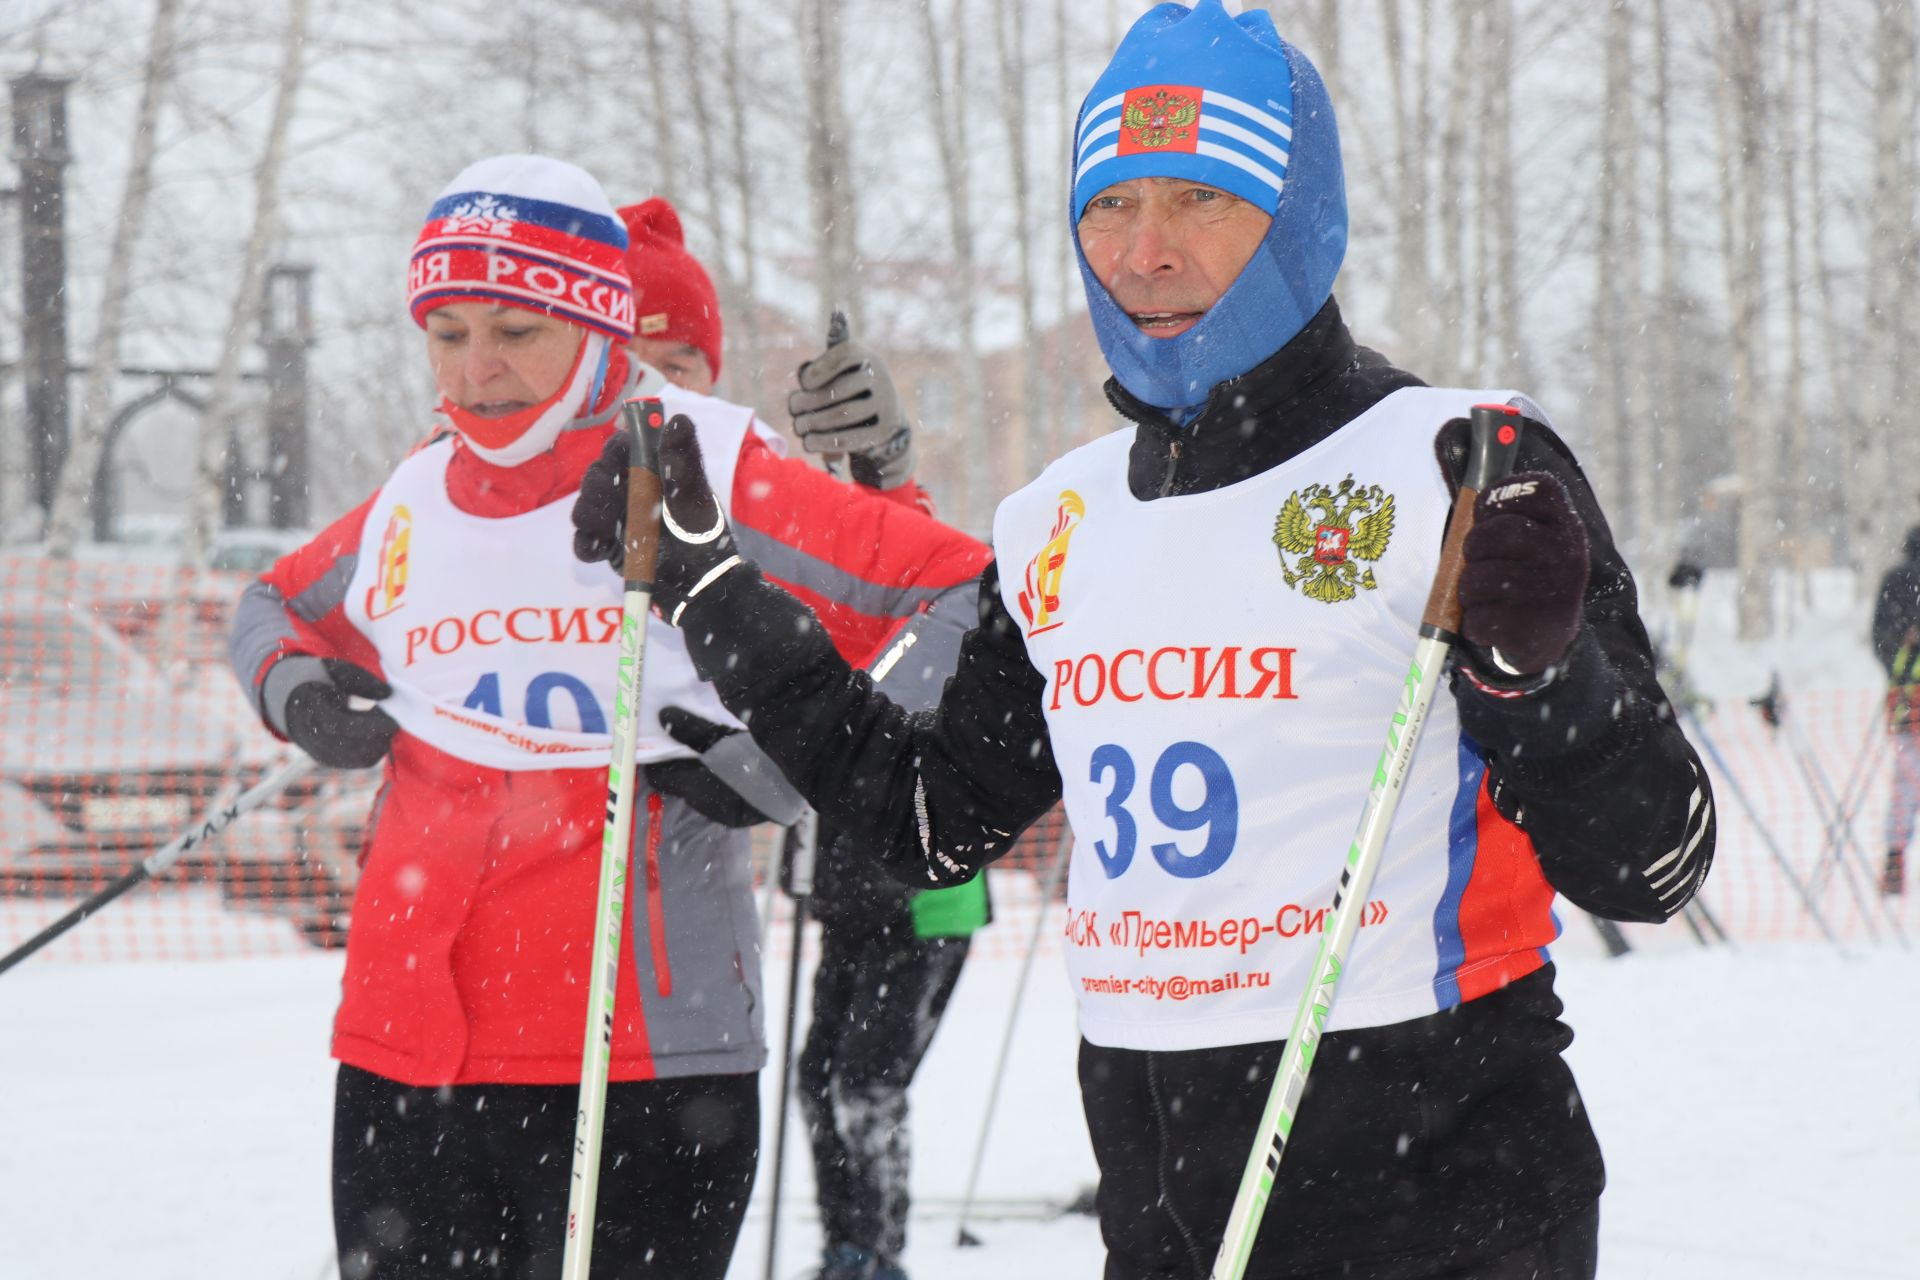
<point x="1354" y="524"/>
<point x="1159" y="118"/>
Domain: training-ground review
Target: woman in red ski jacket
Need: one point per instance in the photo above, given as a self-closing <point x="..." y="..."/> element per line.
<point x="450" y="598"/>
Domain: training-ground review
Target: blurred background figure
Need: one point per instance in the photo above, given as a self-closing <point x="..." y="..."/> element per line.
<point x="1896" y="637"/>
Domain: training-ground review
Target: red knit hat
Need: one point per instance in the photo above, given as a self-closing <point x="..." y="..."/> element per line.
<point x="673" y="299"/>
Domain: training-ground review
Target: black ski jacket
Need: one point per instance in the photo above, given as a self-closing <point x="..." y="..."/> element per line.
<point x="1896" y="608"/>
<point x="1453" y="1138"/>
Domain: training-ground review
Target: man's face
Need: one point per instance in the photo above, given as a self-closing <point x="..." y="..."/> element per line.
<point x="1167" y="248"/>
<point x="493" y="360"/>
<point x="682" y="363"/>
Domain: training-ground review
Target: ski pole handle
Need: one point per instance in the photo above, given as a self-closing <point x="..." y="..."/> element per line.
<point x="837" y="330"/>
<point x="646" y="418"/>
<point x="1490" y="454"/>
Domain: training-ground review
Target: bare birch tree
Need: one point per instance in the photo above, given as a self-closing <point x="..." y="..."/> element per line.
<point x="1453" y="199"/>
<point x="216" y="424"/>
<point x="697" y="68"/>
<point x="1842" y="400"/>
<point x="733" y="75"/>
<point x="1798" y="489"/>
<point x="1665" y="328"/>
<point x="950" y="133"/>
<point x="1744" y="143"/>
<point x="830" y="163"/>
<point x="75" y="488"/>
<point x="1412" y="283"/>
<point x="1029" y="448"/>
<point x="1606" y="407"/>
<point x="664" y="76"/>
<point x="1501" y="354"/>
<point x="1887" y="330"/>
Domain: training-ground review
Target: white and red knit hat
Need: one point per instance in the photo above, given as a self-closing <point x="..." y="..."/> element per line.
<point x="527" y="232"/>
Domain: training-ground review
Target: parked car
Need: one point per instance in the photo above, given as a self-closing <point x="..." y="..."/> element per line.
<point x="103" y="760"/>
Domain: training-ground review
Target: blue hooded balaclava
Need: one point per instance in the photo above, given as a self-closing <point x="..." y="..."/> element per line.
<point x="1197" y="93"/>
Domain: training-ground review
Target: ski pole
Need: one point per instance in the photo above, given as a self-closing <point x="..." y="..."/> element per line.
<point x="1496" y="440"/>
<point x="1697" y="733"/>
<point x="806" y="844"/>
<point x="1772" y="706"/>
<point x="1866" y="761"/>
<point x="1698" y="908"/>
<point x="1047" y="890"/>
<point x="644" y="419"/>
<point x="212" y="823"/>
<point x="838" y="329"/>
<point x="1839" y="835"/>
<point x="1611" y="937"/>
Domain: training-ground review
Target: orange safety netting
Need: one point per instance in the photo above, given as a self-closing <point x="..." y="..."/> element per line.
<point x="121" y="725"/>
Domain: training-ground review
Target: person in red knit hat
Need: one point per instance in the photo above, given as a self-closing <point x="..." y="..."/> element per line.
<point x="846" y="404"/>
<point x="890" y="957"/>
<point x="449" y="598"/>
<point x="676" y="322"/>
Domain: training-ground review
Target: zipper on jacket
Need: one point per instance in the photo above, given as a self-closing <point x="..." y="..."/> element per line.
<point x="1173" y="464"/>
<point x="656" y="903"/>
<point x="1160" y="1166"/>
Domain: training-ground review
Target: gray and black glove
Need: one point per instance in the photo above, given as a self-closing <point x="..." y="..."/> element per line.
<point x="306" y="699"/>
<point x="733" y="782"/>
<point x="696" y="547"/>
<point x="847" y="404"/>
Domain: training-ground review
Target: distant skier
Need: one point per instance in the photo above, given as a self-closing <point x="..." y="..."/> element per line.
<point x="1196" y="630"/>
<point x="1896" y="643"/>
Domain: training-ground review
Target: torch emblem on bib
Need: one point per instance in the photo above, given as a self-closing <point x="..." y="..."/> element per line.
<point x="383" y="597"/>
<point x="1040" y="588"/>
<point x="1324" y="533"/>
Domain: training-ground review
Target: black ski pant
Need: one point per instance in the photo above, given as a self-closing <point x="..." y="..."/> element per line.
<point x="1449" y="1147"/>
<point x="877" y="998"/>
<point x="473" y="1179"/>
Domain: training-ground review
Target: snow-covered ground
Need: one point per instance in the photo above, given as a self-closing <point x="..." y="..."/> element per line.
<point x="1760" y="1110"/>
<point x="1759" y="1105"/>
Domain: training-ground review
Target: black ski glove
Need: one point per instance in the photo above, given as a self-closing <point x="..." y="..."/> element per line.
<point x="847" y="404"/>
<point x="732" y="783"/>
<point x="306" y="699"/>
<point x="1525" y="576"/>
<point x="696" y="548"/>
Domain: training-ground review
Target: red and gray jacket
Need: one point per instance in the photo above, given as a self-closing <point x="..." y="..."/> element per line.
<point x="468" y="952"/>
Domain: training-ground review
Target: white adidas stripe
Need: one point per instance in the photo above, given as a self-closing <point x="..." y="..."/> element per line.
<point x="1251" y="112"/>
<point x="1693" y="809"/>
<point x="1214" y="151"/>
<point x="1103" y="154"/>
<point x="1677" y="876"/>
<point x="1246" y="137"/>
<point x="1096" y="133"/>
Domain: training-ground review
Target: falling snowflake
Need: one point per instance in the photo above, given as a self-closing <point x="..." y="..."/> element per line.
<point x="484" y="214"/>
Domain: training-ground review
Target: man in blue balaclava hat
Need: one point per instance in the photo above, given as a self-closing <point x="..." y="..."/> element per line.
<point x="1195" y="632"/>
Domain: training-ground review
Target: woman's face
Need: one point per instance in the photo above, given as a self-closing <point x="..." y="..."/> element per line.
<point x="493" y="361"/>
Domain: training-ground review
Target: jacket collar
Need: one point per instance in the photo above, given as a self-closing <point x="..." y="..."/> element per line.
<point x="1251" y="423"/>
